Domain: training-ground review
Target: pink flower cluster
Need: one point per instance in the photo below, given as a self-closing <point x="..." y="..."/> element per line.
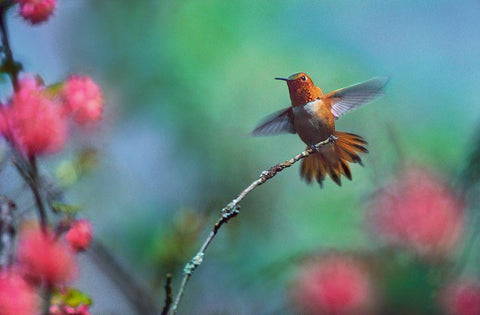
<point x="334" y="284"/>
<point x="16" y="295"/>
<point x="83" y="99"/>
<point x="419" y="212"/>
<point x="36" y="11"/>
<point x="35" y="121"/>
<point x="80" y="235"/>
<point x="43" y="259"/>
<point x="461" y="298"/>
<point x="32" y="121"/>
<point x="81" y="309"/>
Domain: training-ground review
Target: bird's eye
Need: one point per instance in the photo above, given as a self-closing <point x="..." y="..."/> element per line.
<point x="303" y="78"/>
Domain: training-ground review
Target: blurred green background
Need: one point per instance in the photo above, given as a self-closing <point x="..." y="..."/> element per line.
<point x="186" y="81"/>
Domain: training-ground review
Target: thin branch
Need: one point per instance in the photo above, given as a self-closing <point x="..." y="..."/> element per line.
<point x="47" y="297"/>
<point x="168" y="294"/>
<point x="138" y="295"/>
<point x="231" y="210"/>
<point x="10" y="66"/>
<point x="35" y="187"/>
<point x="29" y="172"/>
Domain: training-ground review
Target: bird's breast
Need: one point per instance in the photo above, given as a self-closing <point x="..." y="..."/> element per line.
<point x="313" y="122"/>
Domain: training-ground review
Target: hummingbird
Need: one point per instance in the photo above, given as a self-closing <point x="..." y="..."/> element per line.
<point x="312" y="116"/>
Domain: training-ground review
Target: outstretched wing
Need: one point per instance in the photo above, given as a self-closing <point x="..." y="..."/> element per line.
<point x="344" y="100"/>
<point x="278" y="122"/>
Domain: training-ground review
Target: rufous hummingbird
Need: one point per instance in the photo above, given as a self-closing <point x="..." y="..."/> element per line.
<point x="312" y="116"/>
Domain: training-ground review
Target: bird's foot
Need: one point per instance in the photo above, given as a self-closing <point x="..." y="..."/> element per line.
<point x="315" y="147"/>
<point x="332" y="138"/>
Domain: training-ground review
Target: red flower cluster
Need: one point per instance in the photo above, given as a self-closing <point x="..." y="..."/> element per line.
<point x="35" y="121"/>
<point x="462" y="298"/>
<point x="32" y="121"/>
<point x="44" y="258"/>
<point x="418" y="211"/>
<point x="36" y="11"/>
<point x="69" y="310"/>
<point x="335" y="284"/>
<point x="16" y="296"/>
<point x="80" y="235"/>
<point x="83" y="99"/>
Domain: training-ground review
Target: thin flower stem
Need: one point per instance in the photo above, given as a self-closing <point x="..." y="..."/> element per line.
<point x="12" y="68"/>
<point x="231" y="210"/>
<point x="29" y="172"/>
<point x="35" y="187"/>
<point x="47" y="296"/>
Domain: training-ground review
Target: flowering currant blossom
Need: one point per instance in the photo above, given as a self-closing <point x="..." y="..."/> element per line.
<point x="461" y="298"/>
<point x="36" y="11"/>
<point x="335" y="284"/>
<point x="33" y="122"/>
<point x="80" y="235"/>
<point x="16" y="296"/>
<point x="44" y="258"/>
<point x="419" y="212"/>
<point x="83" y="99"/>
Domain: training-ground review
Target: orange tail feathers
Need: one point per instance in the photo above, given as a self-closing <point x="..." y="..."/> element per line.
<point x="333" y="159"/>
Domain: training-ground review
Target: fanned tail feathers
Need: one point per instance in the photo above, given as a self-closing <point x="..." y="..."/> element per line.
<point x="333" y="159"/>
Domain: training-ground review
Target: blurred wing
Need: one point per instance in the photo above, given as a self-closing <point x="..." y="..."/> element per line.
<point x="278" y="122"/>
<point x="344" y="100"/>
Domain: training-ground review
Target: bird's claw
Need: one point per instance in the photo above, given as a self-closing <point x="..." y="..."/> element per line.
<point x="315" y="147"/>
<point x="332" y="138"/>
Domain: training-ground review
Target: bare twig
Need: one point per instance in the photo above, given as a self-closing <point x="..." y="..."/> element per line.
<point x="35" y="187"/>
<point x="9" y="65"/>
<point x="168" y="294"/>
<point x="231" y="210"/>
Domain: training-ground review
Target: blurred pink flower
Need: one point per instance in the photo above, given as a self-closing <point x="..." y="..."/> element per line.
<point x="335" y="284"/>
<point x="462" y="298"/>
<point x="82" y="309"/>
<point x="36" y="11"/>
<point x="83" y="99"/>
<point x="16" y="296"/>
<point x="44" y="258"/>
<point x="35" y="123"/>
<point x="80" y="235"/>
<point x="418" y="211"/>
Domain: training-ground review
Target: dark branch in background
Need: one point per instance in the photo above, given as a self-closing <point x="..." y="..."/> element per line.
<point x="230" y="211"/>
<point x="9" y="65"/>
<point x="26" y="167"/>
<point x="35" y="187"/>
<point x="168" y="294"/>
<point x="28" y="170"/>
<point x="7" y="232"/>
<point x="470" y="175"/>
<point x="138" y="296"/>
<point x="468" y="185"/>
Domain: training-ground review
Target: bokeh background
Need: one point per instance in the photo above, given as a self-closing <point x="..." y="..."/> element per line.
<point x="186" y="81"/>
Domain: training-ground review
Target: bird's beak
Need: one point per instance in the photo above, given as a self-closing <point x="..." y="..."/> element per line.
<point x="283" y="79"/>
